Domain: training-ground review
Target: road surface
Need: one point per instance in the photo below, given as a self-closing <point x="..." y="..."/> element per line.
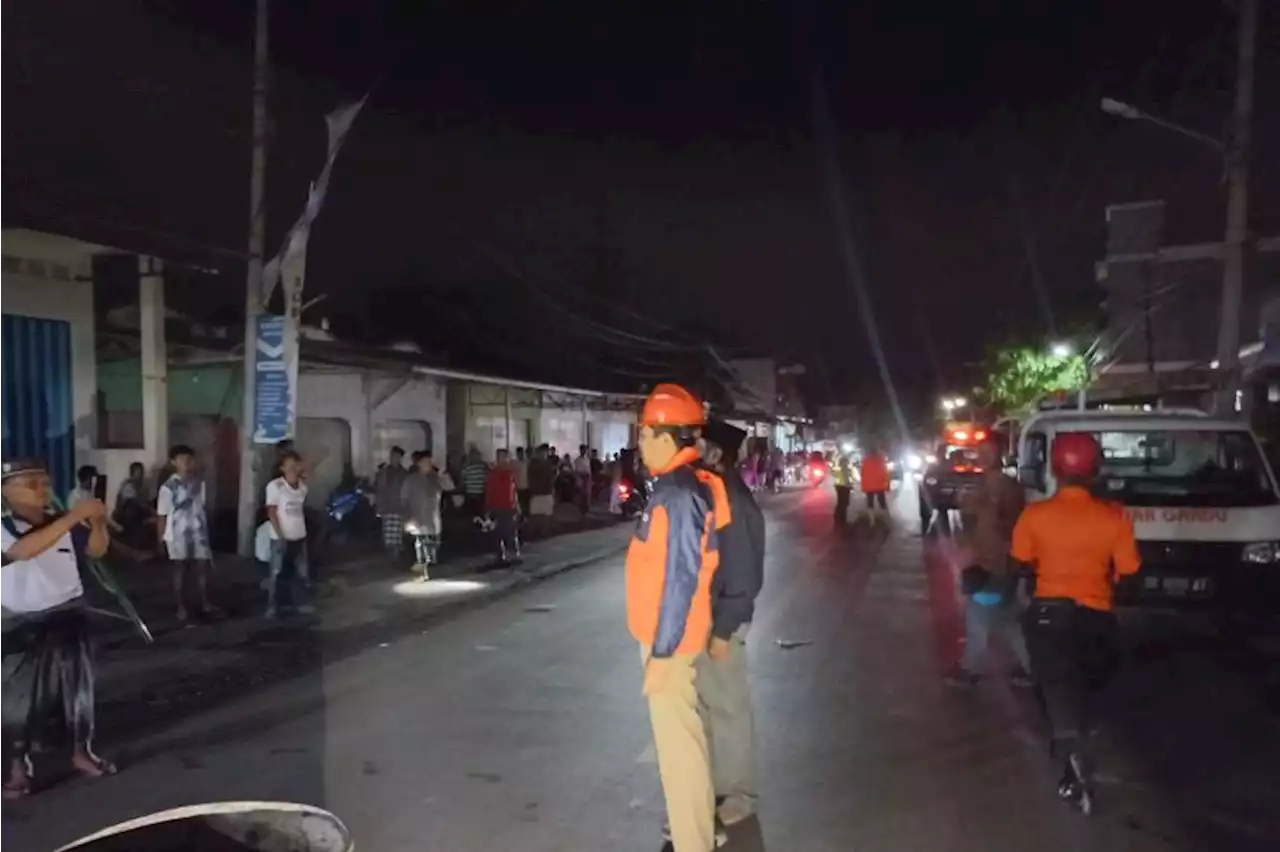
<point x="520" y="726"/>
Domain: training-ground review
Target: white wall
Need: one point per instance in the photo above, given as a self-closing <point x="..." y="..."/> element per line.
<point x="611" y="431"/>
<point x="346" y="396"/>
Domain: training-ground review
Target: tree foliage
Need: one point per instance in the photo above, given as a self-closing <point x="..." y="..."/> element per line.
<point x="1018" y="376"/>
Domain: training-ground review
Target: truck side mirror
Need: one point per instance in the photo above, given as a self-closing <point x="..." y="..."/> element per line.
<point x="1031" y="476"/>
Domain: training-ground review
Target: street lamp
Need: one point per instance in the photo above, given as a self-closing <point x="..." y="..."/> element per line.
<point x="1062" y="350"/>
<point x="1120" y="109"/>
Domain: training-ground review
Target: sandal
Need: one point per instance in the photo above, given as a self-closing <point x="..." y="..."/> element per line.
<point x="101" y="767"/>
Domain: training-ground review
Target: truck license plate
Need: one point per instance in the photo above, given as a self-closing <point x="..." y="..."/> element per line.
<point x="1182" y="586"/>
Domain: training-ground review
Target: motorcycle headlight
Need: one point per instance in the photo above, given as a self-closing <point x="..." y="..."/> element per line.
<point x="1261" y="552"/>
<point x="411" y="529"/>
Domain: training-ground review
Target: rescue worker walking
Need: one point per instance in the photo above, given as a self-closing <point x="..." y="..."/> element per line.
<point x="874" y="474"/>
<point x="669" y="569"/>
<point x="722" y="672"/>
<point x="842" y="480"/>
<point x="1076" y="546"/>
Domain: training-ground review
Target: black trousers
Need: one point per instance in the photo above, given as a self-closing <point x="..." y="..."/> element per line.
<point x="874" y="497"/>
<point x="842" y="503"/>
<point x="1075" y="653"/>
<point x="48" y="682"/>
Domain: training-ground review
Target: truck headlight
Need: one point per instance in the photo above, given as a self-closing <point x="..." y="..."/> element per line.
<point x="1261" y="552"/>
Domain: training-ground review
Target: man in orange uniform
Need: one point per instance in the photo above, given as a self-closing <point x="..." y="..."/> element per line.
<point x="874" y="473"/>
<point x="1077" y="546"/>
<point x="670" y="565"/>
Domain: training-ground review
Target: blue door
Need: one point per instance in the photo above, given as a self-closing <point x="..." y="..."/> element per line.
<point x="36" y="419"/>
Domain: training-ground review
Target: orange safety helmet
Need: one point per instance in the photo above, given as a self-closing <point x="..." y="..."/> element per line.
<point x="672" y="405"/>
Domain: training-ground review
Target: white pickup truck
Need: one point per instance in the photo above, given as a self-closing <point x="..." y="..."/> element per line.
<point x="1204" y="501"/>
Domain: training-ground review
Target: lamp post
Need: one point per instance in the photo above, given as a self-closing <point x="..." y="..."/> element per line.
<point x="1235" y="152"/>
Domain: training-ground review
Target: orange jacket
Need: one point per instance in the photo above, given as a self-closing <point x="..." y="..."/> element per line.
<point x="673" y="557"/>
<point x="1078" y="545"/>
<point x="874" y="473"/>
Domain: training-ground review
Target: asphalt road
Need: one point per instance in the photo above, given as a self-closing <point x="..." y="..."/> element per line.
<point x="519" y="725"/>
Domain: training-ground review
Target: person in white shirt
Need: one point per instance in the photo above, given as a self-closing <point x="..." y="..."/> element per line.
<point x="286" y="499"/>
<point x="582" y="473"/>
<point x="48" y="667"/>
<point x="521" y="468"/>
<point x="183" y="526"/>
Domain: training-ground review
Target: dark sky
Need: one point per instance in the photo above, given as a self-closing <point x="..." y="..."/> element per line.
<point x="530" y="179"/>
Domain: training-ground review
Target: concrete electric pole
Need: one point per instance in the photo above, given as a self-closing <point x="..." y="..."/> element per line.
<point x="253" y="306"/>
<point x="1237" y="212"/>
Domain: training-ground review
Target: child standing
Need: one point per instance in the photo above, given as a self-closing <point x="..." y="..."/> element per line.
<point x="183" y="527"/>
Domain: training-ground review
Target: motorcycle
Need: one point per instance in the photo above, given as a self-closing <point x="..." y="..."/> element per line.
<point x="225" y="827"/>
<point x="632" y="497"/>
<point x="351" y="506"/>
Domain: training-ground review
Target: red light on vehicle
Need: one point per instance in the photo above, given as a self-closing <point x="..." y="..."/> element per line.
<point x="817" y="472"/>
<point x="624" y="491"/>
<point x="960" y="435"/>
<point x="980" y="435"/>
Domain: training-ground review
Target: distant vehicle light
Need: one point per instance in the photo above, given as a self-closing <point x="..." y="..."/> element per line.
<point x="930" y="459"/>
<point x="892" y="465"/>
<point x="961" y="435"/>
<point x="846" y="448"/>
<point x="816" y="473"/>
<point x="914" y="461"/>
<point x="980" y="435"/>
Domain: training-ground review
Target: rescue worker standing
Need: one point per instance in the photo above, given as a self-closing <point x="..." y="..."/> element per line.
<point x="722" y="672"/>
<point x="1076" y="546"/>
<point x="841" y="479"/>
<point x="874" y="473"/>
<point x="669" y="569"/>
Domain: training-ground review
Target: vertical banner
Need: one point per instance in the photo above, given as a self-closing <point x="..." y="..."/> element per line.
<point x="289" y="268"/>
<point x="274" y="404"/>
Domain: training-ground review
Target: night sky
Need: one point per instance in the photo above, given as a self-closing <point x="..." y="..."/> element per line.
<point x="592" y="192"/>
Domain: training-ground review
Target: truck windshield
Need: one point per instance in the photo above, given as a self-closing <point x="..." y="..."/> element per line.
<point x="1184" y="468"/>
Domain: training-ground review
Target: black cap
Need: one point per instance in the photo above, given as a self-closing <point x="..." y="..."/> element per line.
<point x="21" y="465"/>
<point x="724" y="435"/>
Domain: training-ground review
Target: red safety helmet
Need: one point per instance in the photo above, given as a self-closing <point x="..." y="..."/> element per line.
<point x="672" y="405"/>
<point x="1075" y="454"/>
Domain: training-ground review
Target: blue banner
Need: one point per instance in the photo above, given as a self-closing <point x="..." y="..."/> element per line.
<point x="273" y="402"/>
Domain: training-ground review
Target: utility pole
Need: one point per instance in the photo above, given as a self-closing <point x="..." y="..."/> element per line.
<point x="1237" y="211"/>
<point x="253" y="306"/>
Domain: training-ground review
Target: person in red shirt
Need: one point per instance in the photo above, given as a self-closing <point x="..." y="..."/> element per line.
<point x="502" y="505"/>
<point x="874" y="474"/>
<point x="1076" y="546"/>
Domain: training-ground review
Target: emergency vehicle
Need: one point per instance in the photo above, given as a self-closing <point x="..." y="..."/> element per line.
<point x="1204" y="501"/>
<point x="951" y="471"/>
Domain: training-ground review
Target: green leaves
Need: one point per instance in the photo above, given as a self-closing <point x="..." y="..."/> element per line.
<point x="1018" y="376"/>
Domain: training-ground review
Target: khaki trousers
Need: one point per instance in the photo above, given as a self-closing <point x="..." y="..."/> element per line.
<point x="726" y="705"/>
<point x="684" y="762"/>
